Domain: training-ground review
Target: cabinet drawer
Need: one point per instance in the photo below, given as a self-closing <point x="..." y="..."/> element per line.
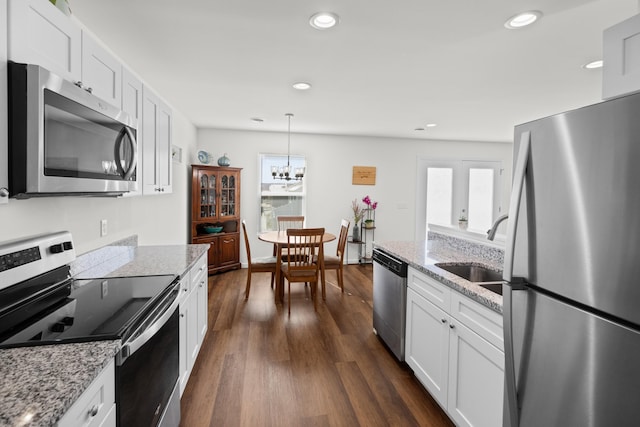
<point x="94" y="404"/>
<point x="198" y="271"/>
<point x="434" y="291"/>
<point x="480" y="319"/>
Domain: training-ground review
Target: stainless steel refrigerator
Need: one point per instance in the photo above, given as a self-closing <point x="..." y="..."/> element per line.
<point x="572" y="270"/>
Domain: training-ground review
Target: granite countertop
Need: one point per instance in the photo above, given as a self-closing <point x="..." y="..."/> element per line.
<point x="423" y="255"/>
<point x="126" y="261"/>
<point x="38" y="384"/>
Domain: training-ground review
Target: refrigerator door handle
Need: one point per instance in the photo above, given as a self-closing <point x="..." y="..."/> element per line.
<point x="511" y="417"/>
<point x="519" y="174"/>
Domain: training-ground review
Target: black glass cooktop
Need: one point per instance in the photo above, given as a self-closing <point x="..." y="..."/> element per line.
<point x="84" y="310"/>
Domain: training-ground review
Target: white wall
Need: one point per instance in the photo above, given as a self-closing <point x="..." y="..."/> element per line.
<point x="330" y="160"/>
<point x="155" y="219"/>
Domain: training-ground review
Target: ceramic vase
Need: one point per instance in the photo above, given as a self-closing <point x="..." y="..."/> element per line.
<point x="356" y="233"/>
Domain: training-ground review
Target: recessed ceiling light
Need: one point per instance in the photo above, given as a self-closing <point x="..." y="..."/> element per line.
<point x="522" y="19"/>
<point x="431" y="125"/>
<point x="257" y="119"/>
<point x="593" y="64"/>
<point x="323" y="20"/>
<point x="302" y="85"/>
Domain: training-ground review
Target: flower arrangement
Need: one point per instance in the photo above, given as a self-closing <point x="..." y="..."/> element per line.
<point x="357" y="211"/>
<point x="370" y="204"/>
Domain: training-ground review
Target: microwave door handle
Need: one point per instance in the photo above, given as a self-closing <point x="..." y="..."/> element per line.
<point x="134" y="159"/>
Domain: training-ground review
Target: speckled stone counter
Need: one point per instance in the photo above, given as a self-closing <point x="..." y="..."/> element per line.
<point x="39" y="384"/>
<point x="42" y="382"/>
<point x="423" y="255"/>
<point x="126" y="261"/>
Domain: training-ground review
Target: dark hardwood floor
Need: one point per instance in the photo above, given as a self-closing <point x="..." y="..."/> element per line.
<point x="260" y="367"/>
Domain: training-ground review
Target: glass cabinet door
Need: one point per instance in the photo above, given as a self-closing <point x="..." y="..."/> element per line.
<point x="208" y="186"/>
<point x="228" y="195"/>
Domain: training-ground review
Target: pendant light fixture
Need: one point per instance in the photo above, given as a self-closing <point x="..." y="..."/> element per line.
<point x="285" y="172"/>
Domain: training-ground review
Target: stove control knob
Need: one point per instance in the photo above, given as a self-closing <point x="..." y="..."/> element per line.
<point x="57" y="248"/>
<point x="67" y="246"/>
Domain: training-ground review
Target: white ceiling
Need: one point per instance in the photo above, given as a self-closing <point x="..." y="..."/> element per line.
<point x="386" y="69"/>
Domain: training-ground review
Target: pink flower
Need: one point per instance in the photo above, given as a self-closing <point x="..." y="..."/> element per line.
<point x="367" y="201"/>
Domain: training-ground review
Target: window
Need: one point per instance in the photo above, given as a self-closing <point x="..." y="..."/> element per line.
<point x="278" y="196"/>
<point x="445" y="188"/>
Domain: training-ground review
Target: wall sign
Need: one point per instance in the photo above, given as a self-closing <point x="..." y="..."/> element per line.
<point x="364" y="175"/>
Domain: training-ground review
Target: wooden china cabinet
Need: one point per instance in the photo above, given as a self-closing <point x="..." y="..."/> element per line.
<point x="215" y="214"/>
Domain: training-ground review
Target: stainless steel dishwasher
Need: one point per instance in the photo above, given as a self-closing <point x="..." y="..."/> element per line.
<point x="389" y="300"/>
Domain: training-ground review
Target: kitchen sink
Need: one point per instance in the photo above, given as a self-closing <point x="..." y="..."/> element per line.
<point x="493" y="287"/>
<point x="472" y="272"/>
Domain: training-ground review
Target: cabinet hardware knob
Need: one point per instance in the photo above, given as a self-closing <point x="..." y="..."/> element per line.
<point x="93" y="411"/>
<point x="443" y="320"/>
<point x="452" y="326"/>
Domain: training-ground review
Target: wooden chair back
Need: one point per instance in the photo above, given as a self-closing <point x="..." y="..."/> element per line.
<point x="286" y="222"/>
<point x="302" y="245"/>
<point x="342" y="239"/>
<point x="246" y="241"/>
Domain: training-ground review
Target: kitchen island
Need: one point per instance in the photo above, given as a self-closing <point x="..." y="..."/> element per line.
<point x="454" y="335"/>
<point x="39" y="384"/>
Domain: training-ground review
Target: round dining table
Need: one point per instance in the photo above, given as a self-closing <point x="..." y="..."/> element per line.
<point x="280" y="239"/>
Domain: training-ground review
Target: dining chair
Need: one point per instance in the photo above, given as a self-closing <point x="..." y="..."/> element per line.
<point x="303" y="245"/>
<point x="257" y="265"/>
<point x="286" y="222"/>
<point x="336" y="262"/>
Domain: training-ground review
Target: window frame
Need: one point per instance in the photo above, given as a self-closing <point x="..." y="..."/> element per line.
<point x="460" y="187"/>
<point x="302" y="195"/>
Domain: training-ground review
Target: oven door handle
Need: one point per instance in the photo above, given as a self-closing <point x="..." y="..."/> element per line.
<point x="131" y="347"/>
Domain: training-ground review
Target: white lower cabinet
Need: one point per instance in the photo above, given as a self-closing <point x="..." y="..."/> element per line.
<point x="193" y="321"/>
<point x="97" y="405"/>
<point x="454" y="346"/>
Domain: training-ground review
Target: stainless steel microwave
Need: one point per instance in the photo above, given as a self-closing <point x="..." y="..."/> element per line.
<point x="63" y="140"/>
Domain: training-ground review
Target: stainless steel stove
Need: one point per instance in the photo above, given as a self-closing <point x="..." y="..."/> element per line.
<point x="40" y="303"/>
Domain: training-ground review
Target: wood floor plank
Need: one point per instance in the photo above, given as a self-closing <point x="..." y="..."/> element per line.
<point x="258" y="366"/>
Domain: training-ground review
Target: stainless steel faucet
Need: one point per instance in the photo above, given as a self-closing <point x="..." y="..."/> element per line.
<point x="491" y="233"/>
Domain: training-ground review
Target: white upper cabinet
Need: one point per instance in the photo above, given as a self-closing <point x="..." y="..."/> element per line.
<point x="132" y="105"/>
<point x="156" y="144"/>
<point x="621" y="57"/>
<point x="101" y="71"/>
<point x="41" y="34"/>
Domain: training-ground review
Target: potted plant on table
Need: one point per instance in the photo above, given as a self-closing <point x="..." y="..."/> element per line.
<point x="371" y="206"/>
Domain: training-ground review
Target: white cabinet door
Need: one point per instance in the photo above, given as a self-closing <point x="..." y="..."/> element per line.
<point x="203" y="304"/>
<point x="427" y="344"/>
<point x="41" y="34"/>
<point x="132" y="96"/>
<point x="101" y="71"/>
<point x="476" y="379"/>
<point x="132" y="105"/>
<point x="156" y="144"/>
<point x="621" y="58"/>
<point x="193" y="344"/>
